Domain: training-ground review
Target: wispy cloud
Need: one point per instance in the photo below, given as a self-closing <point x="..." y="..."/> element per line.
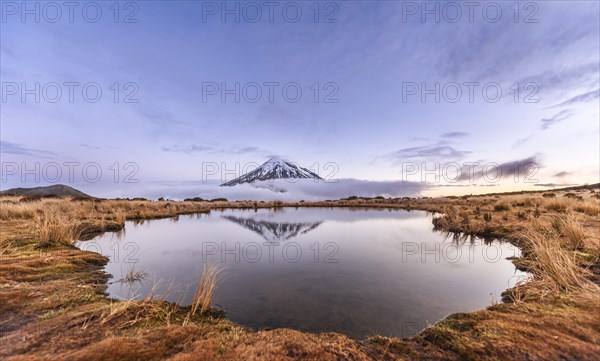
<point x="244" y="150"/>
<point x="158" y="116"/>
<point x="454" y="135"/>
<point x="89" y="146"/>
<point x="464" y="185"/>
<point x="190" y="149"/>
<point x="437" y="151"/>
<point x="562" y="174"/>
<point x="213" y="149"/>
<point x="581" y="98"/>
<point x="18" y="149"/>
<point x="546" y="123"/>
<point x="569" y="78"/>
<point x="521" y="141"/>
<point x="559" y="117"/>
<point x="555" y="185"/>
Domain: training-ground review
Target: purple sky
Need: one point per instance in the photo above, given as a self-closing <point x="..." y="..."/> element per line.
<point x="367" y="73"/>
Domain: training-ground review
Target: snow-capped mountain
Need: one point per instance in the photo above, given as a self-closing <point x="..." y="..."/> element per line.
<point x="274" y="168"/>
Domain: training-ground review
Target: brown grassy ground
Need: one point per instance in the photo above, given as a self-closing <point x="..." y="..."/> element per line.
<point x="53" y="304"/>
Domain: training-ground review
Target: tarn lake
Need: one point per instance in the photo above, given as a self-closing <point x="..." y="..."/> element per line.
<point x="359" y="272"/>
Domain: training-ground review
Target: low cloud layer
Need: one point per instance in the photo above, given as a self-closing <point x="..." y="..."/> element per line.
<point x="287" y="190"/>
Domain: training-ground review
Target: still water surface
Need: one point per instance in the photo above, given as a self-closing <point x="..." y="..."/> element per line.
<point x="358" y="272"/>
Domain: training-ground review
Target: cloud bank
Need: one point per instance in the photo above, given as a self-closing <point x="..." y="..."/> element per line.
<point x="287" y="190"/>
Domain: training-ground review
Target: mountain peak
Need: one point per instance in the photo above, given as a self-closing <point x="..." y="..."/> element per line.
<point x="274" y="168"/>
<point x="275" y="159"/>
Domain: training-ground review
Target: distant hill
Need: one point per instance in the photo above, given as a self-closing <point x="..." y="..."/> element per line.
<point x="59" y="190"/>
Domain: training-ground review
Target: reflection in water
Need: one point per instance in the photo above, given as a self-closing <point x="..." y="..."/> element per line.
<point x="132" y="276"/>
<point x="274" y="231"/>
<point x="119" y="235"/>
<point x="355" y="271"/>
<point x="461" y="239"/>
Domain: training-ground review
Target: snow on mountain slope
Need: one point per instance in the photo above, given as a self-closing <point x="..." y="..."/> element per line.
<point x="274" y="168"/>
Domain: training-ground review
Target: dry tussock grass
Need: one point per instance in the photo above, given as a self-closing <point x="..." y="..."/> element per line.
<point x="206" y="290"/>
<point x="552" y="258"/>
<point x="570" y="229"/>
<point x="589" y="206"/>
<point x="556" y="247"/>
<point x="11" y="208"/>
<point x="55" y="227"/>
<point x="115" y="310"/>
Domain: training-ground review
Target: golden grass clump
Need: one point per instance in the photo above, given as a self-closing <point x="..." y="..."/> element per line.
<point x="553" y="263"/>
<point x="55" y="227"/>
<point x="589" y="207"/>
<point x="116" y="310"/>
<point x="557" y="205"/>
<point x="501" y="207"/>
<point x="206" y="290"/>
<point x="11" y="208"/>
<point x="571" y="230"/>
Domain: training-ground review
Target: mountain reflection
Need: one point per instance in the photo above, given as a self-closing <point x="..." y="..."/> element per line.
<point x="274" y="231"/>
